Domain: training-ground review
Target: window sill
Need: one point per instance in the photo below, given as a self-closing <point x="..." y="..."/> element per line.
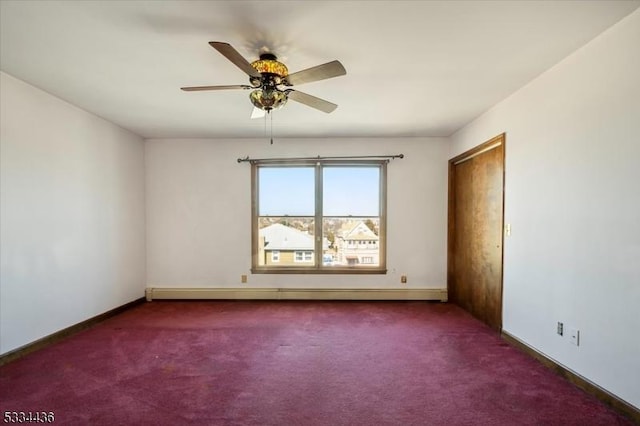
<point x="323" y="271"/>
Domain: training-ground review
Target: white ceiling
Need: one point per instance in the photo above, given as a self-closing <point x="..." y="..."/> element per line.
<point x="413" y="68"/>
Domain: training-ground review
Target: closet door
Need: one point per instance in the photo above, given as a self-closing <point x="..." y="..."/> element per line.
<point x="476" y="193"/>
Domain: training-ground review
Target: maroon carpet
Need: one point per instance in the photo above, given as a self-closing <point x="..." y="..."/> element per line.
<point x="294" y="363"/>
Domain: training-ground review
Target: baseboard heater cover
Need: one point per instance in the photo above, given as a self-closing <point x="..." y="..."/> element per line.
<point x="438" y="294"/>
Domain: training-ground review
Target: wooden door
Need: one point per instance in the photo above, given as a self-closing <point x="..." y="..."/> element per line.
<point x="476" y="199"/>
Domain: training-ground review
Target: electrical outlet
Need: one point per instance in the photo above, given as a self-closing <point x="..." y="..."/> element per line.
<point x="560" y="328"/>
<point x="574" y="336"/>
<point x="243" y="279"/>
<point x="403" y="279"/>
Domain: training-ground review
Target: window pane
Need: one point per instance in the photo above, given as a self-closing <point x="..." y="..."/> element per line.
<point x="352" y="242"/>
<point x="286" y="191"/>
<point x="351" y="191"/>
<point x="285" y="241"/>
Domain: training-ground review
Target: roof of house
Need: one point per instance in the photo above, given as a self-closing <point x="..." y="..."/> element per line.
<point x="362" y="236"/>
<point x="282" y="237"/>
<point x="359" y="231"/>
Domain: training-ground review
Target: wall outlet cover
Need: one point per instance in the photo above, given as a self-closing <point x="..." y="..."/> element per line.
<point x="574" y="336"/>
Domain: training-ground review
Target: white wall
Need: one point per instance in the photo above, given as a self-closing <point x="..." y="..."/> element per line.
<point x="72" y="241"/>
<point x="199" y="212"/>
<point x="573" y="200"/>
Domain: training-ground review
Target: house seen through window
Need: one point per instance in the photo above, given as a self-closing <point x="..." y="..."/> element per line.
<point x="319" y="217"/>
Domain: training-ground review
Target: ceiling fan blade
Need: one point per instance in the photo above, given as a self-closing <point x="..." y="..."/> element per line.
<point x="238" y="60"/>
<point x="319" y="72"/>
<point x="312" y="101"/>
<point x="257" y="113"/>
<point x="199" y="88"/>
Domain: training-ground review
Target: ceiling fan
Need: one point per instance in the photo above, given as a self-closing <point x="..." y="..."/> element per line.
<point x="270" y="82"/>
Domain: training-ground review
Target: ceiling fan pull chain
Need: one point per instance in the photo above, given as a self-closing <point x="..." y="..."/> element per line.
<point x="271" y="128"/>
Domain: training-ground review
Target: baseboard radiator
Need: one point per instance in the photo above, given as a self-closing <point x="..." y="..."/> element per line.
<point x="156" y="293"/>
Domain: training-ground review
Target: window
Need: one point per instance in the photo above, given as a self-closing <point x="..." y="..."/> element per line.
<point x="319" y="217"/>
<point x="304" y="256"/>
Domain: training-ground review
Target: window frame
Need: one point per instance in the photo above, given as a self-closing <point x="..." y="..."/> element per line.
<point x="318" y="267"/>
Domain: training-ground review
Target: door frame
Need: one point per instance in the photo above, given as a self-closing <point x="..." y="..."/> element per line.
<point x="467" y="155"/>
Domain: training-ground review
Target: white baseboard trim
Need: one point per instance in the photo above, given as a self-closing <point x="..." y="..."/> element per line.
<point x="153" y="293"/>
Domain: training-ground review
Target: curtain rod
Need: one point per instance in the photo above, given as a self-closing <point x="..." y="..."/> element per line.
<point x="348" y="157"/>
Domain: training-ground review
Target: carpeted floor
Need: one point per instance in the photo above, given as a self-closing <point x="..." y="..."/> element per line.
<point x="294" y="363"/>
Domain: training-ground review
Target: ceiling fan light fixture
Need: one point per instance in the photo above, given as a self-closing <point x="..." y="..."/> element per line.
<point x="268" y="63"/>
<point x="267" y="99"/>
